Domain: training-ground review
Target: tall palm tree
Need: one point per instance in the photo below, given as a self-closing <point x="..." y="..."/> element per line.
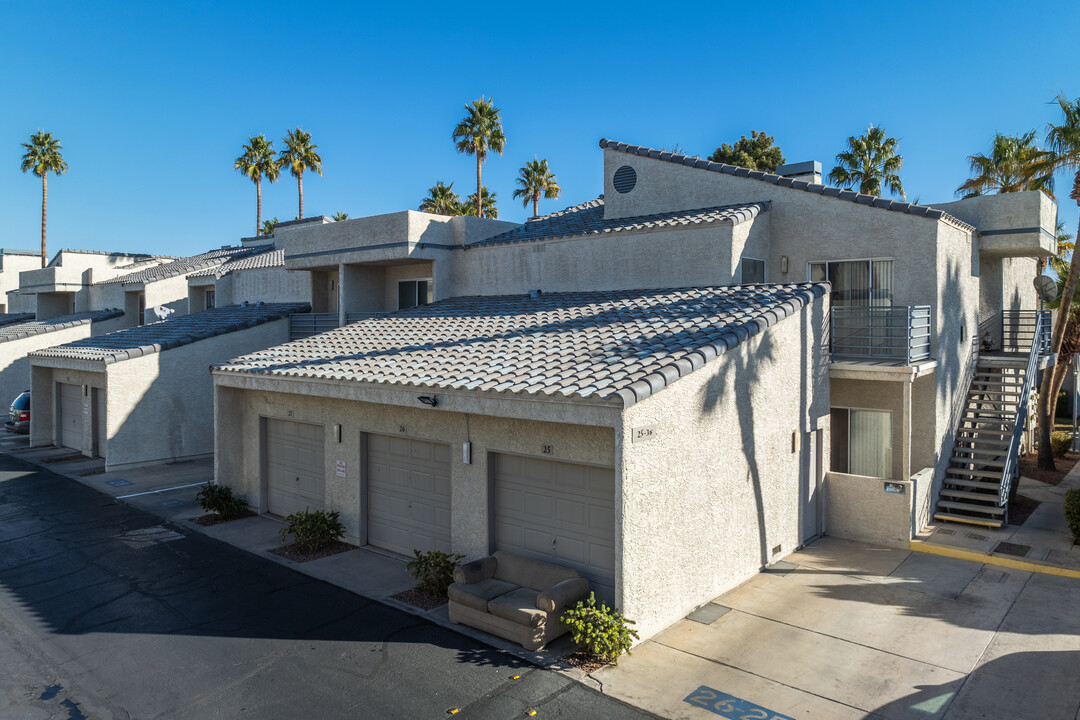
<point x="299" y="155"/>
<point x="536" y="179"/>
<point x="258" y="160"/>
<point x="486" y="202"/>
<point x="42" y="157"/>
<point x="1013" y="165"/>
<point x="479" y="132"/>
<point x="442" y="200"/>
<point x="1063" y="153"/>
<point x="870" y="162"/>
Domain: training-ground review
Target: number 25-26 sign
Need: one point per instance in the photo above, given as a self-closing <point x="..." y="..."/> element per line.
<point x="730" y="707"/>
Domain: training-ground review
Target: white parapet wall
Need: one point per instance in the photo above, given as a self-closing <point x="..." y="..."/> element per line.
<point x="877" y="510"/>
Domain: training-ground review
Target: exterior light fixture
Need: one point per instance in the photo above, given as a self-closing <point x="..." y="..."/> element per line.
<point x="784" y="264"/>
<point x="428" y="400"/>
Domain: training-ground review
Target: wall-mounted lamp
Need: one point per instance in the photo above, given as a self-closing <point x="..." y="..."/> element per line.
<point x="784" y="264"/>
<point x="337" y="433"/>
<point x="428" y="400"/>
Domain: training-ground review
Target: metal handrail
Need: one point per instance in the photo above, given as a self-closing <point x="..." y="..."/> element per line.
<point x="302" y="325"/>
<point x="1013" y="457"/>
<point x="899" y="334"/>
<point x="1019" y="328"/>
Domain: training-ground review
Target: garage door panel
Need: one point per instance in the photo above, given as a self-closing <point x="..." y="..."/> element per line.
<point x="603" y="519"/>
<point x="572" y="512"/>
<point x="71" y="417"/>
<point x="408" y="494"/>
<point x="540" y="506"/>
<point x="295" y="467"/>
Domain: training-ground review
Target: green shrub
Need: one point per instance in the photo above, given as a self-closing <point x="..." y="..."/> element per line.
<point x="313" y="531"/>
<point x="1072" y="512"/>
<point x="433" y="570"/>
<point x="221" y="500"/>
<point x="603" y="632"/>
<point x="1060" y="442"/>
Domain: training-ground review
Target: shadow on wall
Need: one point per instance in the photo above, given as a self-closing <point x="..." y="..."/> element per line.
<point x="951" y="369"/>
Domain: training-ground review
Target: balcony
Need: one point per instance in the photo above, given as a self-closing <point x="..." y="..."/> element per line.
<point x="893" y="336"/>
<point x="302" y="325"/>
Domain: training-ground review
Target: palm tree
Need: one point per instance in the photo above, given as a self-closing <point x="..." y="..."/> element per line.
<point x="268" y="226"/>
<point x="1063" y="153"/>
<point x="536" y="179"/>
<point x="870" y="162"/>
<point x="480" y="131"/>
<point x="1013" y="165"/>
<point x="258" y="160"/>
<point x="487" y="203"/>
<point x="299" y="155"/>
<point x="442" y="200"/>
<point x="339" y="216"/>
<point x="42" y="157"/>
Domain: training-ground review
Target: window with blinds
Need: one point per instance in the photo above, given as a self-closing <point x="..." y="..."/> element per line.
<point x="856" y="282"/>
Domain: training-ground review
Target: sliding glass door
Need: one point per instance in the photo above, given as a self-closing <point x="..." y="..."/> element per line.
<point x="862" y="442"/>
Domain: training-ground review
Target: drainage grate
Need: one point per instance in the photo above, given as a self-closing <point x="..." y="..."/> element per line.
<point x="708" y="613"/>
<point x="1008" y="548"/>
<point x="945" y="531"/>
<point x="119" y="482"/>
<point x="977" y="536"/>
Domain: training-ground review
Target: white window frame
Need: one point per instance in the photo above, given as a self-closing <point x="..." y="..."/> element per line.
<point x="849" y="408"/>
<point x="764" y="268"/>
<point x="840" y="260"/>
<point x="428" y="280"/>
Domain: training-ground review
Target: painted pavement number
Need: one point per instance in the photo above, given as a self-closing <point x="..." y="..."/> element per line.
<point x="730" y="707"/>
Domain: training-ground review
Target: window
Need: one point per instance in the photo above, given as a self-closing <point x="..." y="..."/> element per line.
<point x="412" y="293"/>
<point x="856" y="282"/>
<point x="752" y="270"/>
<point x="861" y="442"/>
<point x="210" y="295"/>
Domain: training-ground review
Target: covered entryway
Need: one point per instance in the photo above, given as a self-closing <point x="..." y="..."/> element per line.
<point x="408" y="496"/>
<point x="295" y="471"/>
<point x="71" y="416"/>
<point x="559" y="512"/>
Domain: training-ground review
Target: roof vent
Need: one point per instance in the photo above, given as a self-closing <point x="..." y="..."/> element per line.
<point x="625" y="179"/>
<point x="536" y="293"/>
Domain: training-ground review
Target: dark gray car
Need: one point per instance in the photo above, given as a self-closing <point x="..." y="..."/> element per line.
<point x="19" y="415"/>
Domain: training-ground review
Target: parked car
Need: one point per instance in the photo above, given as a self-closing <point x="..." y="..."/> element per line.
<point x="19" y="415"/>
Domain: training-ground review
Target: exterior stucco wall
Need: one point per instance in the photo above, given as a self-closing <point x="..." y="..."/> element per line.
<point x="706" y="502"/>
<point x="106" y="296"/>
<point x="15" y="366"/>
<point x="171" y="292"/>
<point x="54" y="304"/>
<point x="396" y="273"/>
<point x="237" y="456"/>
<point x="875" y="395"/>
<point x="10" y="267"/>
<point x="1018" y="224"/>
<point x="859" y="508"/>
<point x="44" y="402"/>
<point x="270" y="285"/>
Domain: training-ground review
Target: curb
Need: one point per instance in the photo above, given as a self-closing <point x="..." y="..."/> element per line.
<point x="972" y="555"/>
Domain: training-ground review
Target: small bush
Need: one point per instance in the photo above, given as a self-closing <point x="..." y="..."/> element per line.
<point x="1060" y="442"/>
<point x="221" y="500"/>
<point x="313" y="531"/>
<point x="433" y="570"/>
<point x="1072" y="512"/>
<point x="603" y="632"/>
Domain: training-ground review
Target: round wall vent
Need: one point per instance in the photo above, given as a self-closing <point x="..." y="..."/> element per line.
<point x="625" y="179"/>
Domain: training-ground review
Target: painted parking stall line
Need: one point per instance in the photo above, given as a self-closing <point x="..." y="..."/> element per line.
<point x="729" y="706"/>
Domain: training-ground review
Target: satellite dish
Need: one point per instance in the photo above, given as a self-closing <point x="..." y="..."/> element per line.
<point x="1046" y="288"/>
<point x="157" y="313"/>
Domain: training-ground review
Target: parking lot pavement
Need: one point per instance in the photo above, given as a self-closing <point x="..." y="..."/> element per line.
<point x="854" y="631"/>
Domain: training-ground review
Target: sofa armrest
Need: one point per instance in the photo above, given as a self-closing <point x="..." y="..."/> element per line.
<point x="475" y="571"/>
<point x="562" y="595"/>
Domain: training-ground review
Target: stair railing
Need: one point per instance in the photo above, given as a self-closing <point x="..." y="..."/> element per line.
<point x="1013" y="457"/>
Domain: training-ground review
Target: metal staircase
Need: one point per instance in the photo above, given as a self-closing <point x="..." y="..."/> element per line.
<point x="976" y="486"/>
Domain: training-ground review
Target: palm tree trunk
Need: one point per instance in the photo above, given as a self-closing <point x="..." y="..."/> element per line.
<point x="479" y="200"/>
<point x="258" y="206"/>
<point x="300" y="188"/>
<point x="44" y="205"/>
<point x="536" y="205"/>
<point x="1046" y="387"/>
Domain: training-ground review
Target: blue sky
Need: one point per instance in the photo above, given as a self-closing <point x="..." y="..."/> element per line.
<point x="152" y="102"/>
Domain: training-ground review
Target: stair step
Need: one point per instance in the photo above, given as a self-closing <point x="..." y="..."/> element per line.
<point x="971" y="483"/>
<point x="972" y="507"/>
<point x="984" y="413"/>
<point x="970" y="520"/>
<point x="978" y="461"/>
<point x="969" y="495"/>
<point x="974" y="473"/>
<point x="969" y="431"/>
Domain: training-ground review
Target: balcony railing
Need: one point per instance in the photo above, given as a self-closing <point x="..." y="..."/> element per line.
<point x="1018" y="327"/>
<point x="302" y="325"/>
<point x="894" y="335"/>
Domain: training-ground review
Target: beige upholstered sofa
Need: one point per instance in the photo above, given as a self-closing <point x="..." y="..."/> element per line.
<point x="515" y="598"/>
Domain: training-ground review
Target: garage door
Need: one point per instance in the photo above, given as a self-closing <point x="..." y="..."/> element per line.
<point x="295" y="471"/>
<point x="559" y="512"/>
<point x="408" y="494"/>
<point x="71" y="416"/>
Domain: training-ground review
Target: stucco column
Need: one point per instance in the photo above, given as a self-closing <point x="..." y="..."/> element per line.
<point x="905" y="449"/>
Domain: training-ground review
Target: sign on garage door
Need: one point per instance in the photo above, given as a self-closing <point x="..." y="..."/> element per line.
<point x="559" y="512"/>
<point x="295" y="471"/>
<point x="408" y="494"/>
<point x="71" y="416"/>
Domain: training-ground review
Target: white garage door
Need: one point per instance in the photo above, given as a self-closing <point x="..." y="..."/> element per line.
<point x="295" y="471"/>
<point x="71" y="416"/>
<point x="408" y="494"/>
<point x="560" y="512"/>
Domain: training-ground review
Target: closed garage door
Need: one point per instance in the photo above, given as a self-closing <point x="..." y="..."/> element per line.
<point x="559" y="512"/>
<point x="295" y="472"/>
<point x="71" y="416"/>
<point x="408" y="494"/>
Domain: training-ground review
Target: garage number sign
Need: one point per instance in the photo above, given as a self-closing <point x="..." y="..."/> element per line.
<point x="730" y="707"/>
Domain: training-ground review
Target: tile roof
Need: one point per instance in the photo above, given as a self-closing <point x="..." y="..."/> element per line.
<point x="18" y="330"/>
<point x="850" y="195"/>
<point x="180" y="266"/>
<point x="262" y="258"/>
<point x="12" y="318"/>
<point x="167" y="334"/>
<point x="58" y="257"/>
<point x="621" y="345"/>
<point x="588" y="219"/>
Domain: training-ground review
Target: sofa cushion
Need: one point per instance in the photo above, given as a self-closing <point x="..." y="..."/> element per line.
<point x="475" y="571"/>
<point x="529" y="573"/>
<point x="518" y="606"/>
<point x="477" y="595"/>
